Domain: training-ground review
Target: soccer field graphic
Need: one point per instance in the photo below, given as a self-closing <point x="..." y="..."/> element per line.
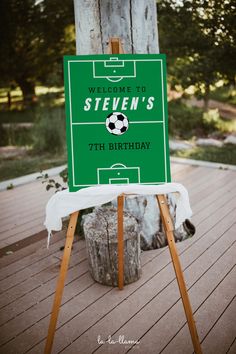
<point x="116" y="114"/>
<point x="114" y="70"/>
<point x="118" y="173"/>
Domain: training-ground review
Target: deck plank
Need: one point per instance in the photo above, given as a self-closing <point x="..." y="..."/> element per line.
<point x="223" y="333"/>
<point x="152" y="268"/>
<point x="23" y="212"/>
<point x="34" y="254"/>
<point x="39" y="278"/>
<point x="198" y="293"/>
<point x="146" y="316"/>
<point x="232" y="347"/>
<point x="205" y="316"/>
<point x="145" y="309"/>
<point x="30" y="215"/>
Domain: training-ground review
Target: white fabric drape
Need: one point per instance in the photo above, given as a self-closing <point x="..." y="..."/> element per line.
<point x="62" y="204"/>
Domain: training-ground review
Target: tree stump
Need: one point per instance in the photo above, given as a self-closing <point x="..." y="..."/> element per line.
<point x="100" y="230"/>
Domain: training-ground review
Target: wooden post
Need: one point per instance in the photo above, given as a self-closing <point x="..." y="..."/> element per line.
<point x="60" y="282"/>
<point x="120" y="246"/>
<point x="115" y="47"/>
<point x="168" y="226"/>
<point x="134" y="21"/>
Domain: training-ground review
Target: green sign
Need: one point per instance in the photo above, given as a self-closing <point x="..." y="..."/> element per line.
<point x="116" y="109"/>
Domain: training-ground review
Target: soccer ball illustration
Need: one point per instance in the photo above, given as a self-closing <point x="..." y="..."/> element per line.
<point x="117" y="123"/>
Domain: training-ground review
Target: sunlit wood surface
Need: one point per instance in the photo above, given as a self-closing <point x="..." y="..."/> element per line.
<point x="148" y="311"/>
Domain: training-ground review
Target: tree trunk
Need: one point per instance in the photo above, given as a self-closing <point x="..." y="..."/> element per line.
<point x="206" y="97"/>
<point x="134" y="21"/>
<point x="9" y="99"/>
<point x="28" y="91"/>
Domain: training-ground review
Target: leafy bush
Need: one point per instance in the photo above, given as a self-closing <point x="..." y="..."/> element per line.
<point x="224" y="94"/>
<point x="27" y="163"/>
<point x="186" y="122"/>
<point x="51" y="183"/>
<point x="49" y="132"/>
<point x="15" y="135"/>
<point x="211" y="118"/>
<point x="225" y="154"/>
<point x="3" y="136"/>
<point x="18" y="115"/>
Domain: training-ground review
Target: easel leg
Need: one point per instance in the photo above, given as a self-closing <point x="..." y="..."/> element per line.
<point x="120" y="207"/>
<point x="168" y="226"/>
<point x="115" y="47"/>
<point x="61" y="281"/>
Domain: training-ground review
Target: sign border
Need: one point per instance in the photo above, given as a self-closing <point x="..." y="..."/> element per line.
<point x="164" y="117"/>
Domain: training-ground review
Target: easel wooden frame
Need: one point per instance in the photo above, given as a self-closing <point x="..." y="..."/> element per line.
<point x="115" y="47"/>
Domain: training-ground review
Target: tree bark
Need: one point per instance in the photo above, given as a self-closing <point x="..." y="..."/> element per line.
<point x="206" y="97"/>
<point x="100" y="230"/>
<point x="9" y="99"/>
<point x="134" y="21"/>
<point x="28" y="90"/>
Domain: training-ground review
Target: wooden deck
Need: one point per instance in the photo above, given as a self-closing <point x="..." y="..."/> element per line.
<point x="22" y="214"/>
<point x="94" y="318"/>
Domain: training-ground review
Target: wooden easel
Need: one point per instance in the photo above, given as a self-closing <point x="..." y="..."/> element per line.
<point x="115" y="47"/>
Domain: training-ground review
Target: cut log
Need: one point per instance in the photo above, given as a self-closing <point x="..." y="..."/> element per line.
<point x="147" y="213"/>
<point x="100" y="230"/>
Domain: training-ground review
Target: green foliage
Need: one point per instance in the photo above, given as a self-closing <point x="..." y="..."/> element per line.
<point x="18" y="42"/>
<point x="199" y="40"/>
<point x="225" y="154"/>
<point x="50" y="106"/>
<point x="64" y="175"/>
<point x="3" y="136"/>
<point x="18" y="116"/>
<point x="15" y="135"/>
<point x="184" y="121"/>
<point x="23" y="165"/>
<point x="34" y="36"/>
<point x="49" y="132"/>
<point x="211" y="118"/>
<point x="17" y="112"/>
<point x="225" y="94"/>
<point x="50" y="182"/>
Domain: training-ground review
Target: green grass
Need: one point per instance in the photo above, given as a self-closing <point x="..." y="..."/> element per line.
<point x="225" y="154"/>
<point x="47" y="98"/>
<point x="29" y="115"/>
<point x="18" y="116"/>
<point x="184" y="122"/>
<point x="46" y="132"/>
<point x="21" y="166"/>
<point x="15" y="135"/>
